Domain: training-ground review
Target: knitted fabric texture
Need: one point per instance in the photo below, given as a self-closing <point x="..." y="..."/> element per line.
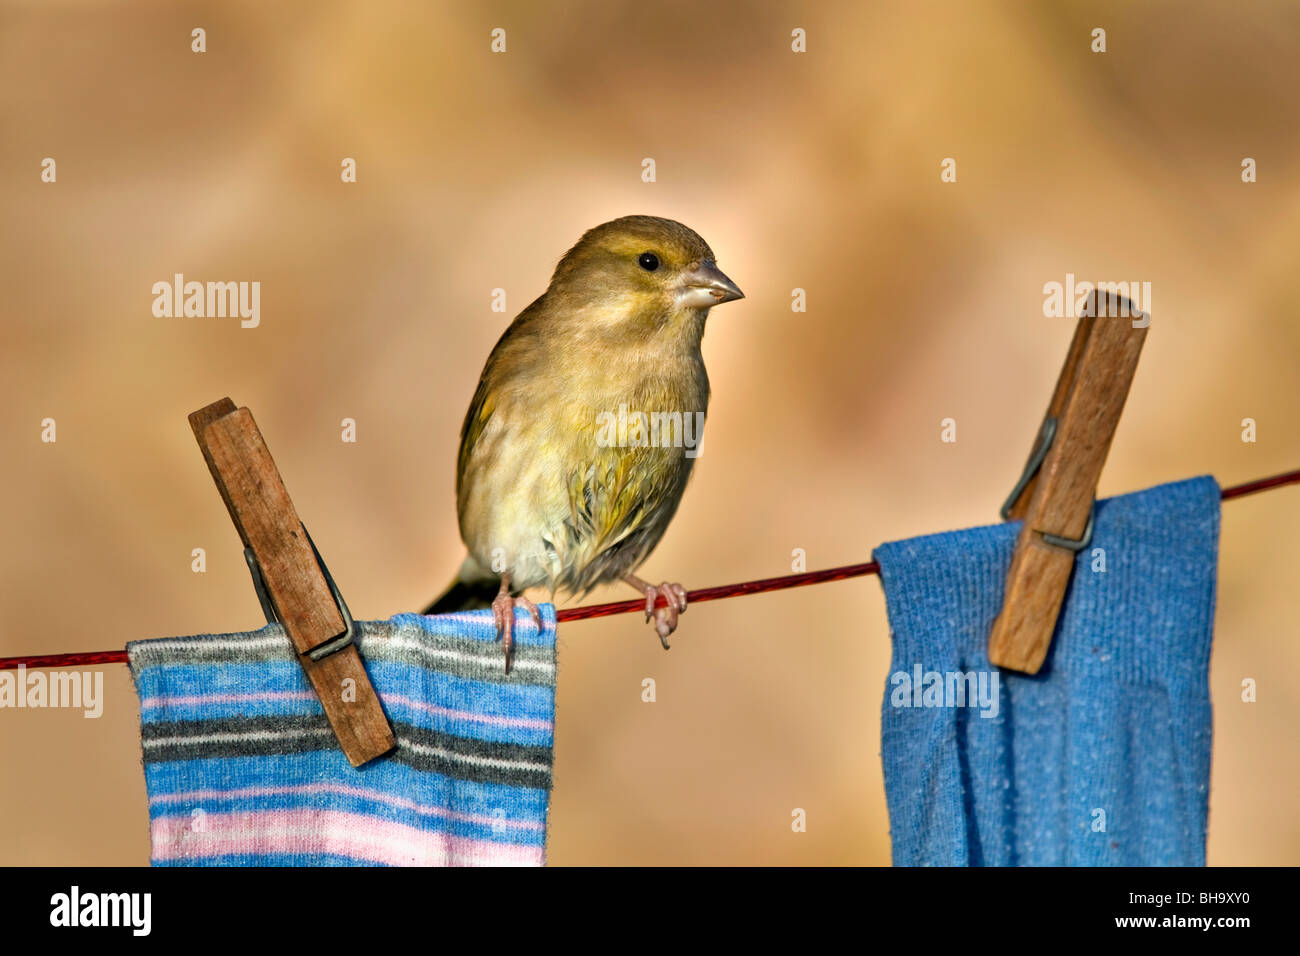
<point x="242" y="768"/>
<point x="1100" y="759"/>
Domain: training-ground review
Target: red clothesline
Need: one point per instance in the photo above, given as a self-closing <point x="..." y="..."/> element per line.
<point x="627" y="607"/>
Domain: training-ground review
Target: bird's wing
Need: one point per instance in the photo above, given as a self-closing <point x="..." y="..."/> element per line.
<point x="480" y="411"/>
<point x="516" y="344"/>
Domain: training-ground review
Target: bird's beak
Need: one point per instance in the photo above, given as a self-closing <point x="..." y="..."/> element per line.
<point x="706" y="285"/>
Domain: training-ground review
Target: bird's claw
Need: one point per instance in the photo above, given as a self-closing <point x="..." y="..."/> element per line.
<point x="503" y="612"/>
<point x="665" y="618"/>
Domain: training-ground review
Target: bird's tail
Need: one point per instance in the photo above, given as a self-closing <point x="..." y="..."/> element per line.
<point x="469" y="592"/>
<point x="463" y="597"/>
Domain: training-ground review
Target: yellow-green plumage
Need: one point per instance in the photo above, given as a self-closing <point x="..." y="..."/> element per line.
<point x="538" y="493"/>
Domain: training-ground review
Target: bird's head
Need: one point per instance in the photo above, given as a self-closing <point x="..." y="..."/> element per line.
<point x="641" y="266"/>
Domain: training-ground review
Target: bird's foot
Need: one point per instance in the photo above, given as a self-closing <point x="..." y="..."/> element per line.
<point x="503" y="611"/>
<point x="665" y="618"/>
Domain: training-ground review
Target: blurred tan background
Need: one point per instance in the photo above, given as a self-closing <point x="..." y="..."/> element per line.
<point x="476" y="171"/>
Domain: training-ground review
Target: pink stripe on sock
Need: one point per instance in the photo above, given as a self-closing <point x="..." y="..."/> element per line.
<point x="525" y="723"/>
<point x="333" y="832"/>
<point x="194" y="796"/>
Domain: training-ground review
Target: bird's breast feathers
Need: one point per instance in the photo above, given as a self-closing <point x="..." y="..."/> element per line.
<point x="570" y="474"/>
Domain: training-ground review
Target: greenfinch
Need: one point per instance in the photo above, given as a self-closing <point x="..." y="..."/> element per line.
<point x="584" y="428"/>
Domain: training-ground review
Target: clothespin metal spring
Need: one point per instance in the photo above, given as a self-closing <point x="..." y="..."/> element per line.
<point x="272" y="617"/>
<point x="1046" y="434"/>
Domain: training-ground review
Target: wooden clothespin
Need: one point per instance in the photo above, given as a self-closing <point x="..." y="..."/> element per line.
<point x="292" y="582"/>
<point x="1056" y="492"/>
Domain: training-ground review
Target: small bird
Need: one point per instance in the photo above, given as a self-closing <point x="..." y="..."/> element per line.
<point x="585" y="425"/>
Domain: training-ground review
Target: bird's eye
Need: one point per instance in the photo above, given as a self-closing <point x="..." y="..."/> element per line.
<point x="648" y="261"/>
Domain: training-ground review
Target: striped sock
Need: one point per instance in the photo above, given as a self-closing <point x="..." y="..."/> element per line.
<point x="242" y="768"/>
